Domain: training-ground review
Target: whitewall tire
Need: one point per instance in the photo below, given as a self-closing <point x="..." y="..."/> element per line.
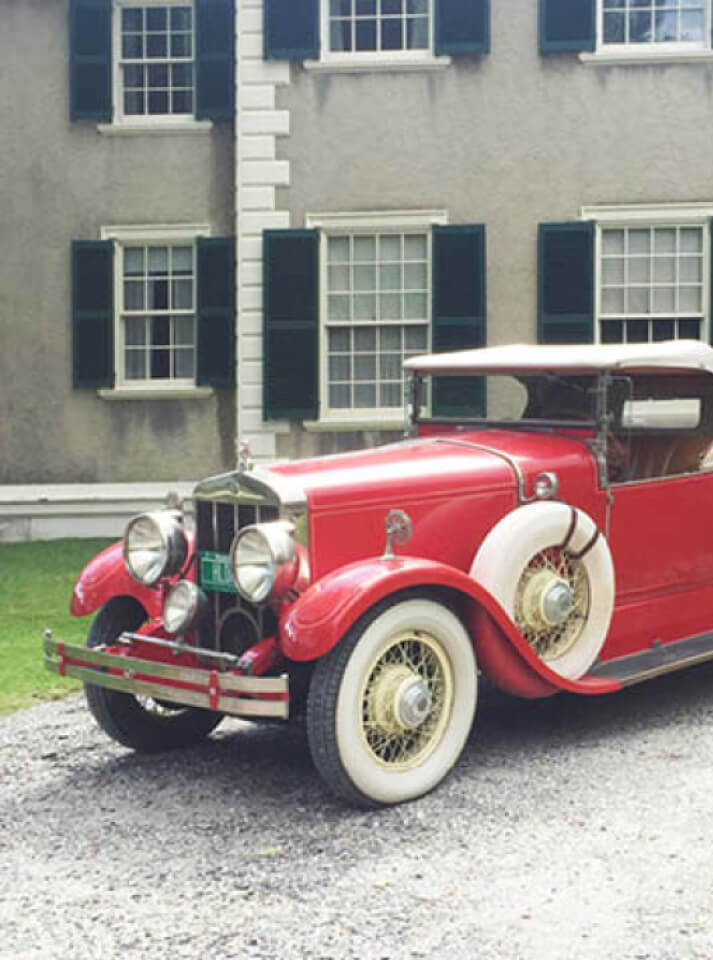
<point x="390" y="708"/>
<point x="550" y="569"/>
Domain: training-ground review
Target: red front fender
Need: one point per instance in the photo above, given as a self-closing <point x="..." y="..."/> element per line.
<point x="316" y="622"/>
<point x="104" y="577"/>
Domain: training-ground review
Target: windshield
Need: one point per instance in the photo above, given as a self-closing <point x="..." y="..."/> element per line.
<point x="530" y="399"/>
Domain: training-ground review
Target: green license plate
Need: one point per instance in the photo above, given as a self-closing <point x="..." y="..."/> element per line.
<point x="215" y="572"/>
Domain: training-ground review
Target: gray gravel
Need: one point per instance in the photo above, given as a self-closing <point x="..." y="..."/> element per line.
<point x="572" y="828"/>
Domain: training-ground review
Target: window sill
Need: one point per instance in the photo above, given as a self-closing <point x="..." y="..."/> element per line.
<point x="128" y="128"/>
<point x="156" y="393"/>
<point x="625" y="58"/>
<point x="376" y="64"/>
<point x="339" y="426"/>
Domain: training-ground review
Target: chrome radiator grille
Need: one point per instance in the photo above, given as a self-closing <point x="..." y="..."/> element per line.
<point x="234" y="625"/>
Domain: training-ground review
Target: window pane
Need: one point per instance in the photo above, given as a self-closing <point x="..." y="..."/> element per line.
<point x="132" y="47"/>
<point x="134" y="104"/>
<point x="364" y="278"/>
<point x="390" y="366"/>
<point x="390" y="306"/>
<point x="182" y="259"/>
<point x="135" y="363"/>
<point x="365" y="249"/>
<point x="613" y="301"/>
<point x="339" y="368"/>
<point x="691" y="239"/>
<point x="689" y="329"/>
<point x="614" y="28"/>
<point x="638" y="300"/>
<point x="391" y="395"/>
<point x="415" y="306"/>
<point x="665" y="240"/>
<point x="689" y="299"/>
<point x="664" y="299"/>
<point x="158" y="260"/>
<point x="389" y="248"/>
<point x="338" y="278"/>
<point x="338" y="249"/>
<point x="417" y="33"/>
<point x="391" y="35"/>
<point x="416" y="338"/>
<point x="415" y="247"/>
<point x="365" y="7"/>
<point x="158" y="294"/>
<point x="663" y="330"/>
<point x="365" y="35"/>
<point x="134" y="295"/>
<point x="639" y="241"/>
<point x="182" y="294"/>
<point x="340" y="8"/>
<point x="666" y="26"/>
<point x="690" y="268"/>
<point x="158" y="75"/>
<point x="339" y="396"/>
<point x="637" y="331"/>
<point x="338" y="307"/>
<point x="158" y="102"/>
<point x="415" y="276"/>
<point x="183" y="330"/>
<point x="664" y="269"/>
<point x="365" y="307"/>
<point x="612" y="271"/>
<point x="390" y="338"/>
<point x="390" y="277"/>
<point x="185" y="368"/>
<point x="160" y="331"/>
<point x="417" y="6"/>
<point x="364" y="395"/>
<point x="339" y="340"/>
<point x="156" y="18"/>
<point x="612" y="241"/>
<point x="640" y="270"/>
<point x="132" y="19"/>
<point x="340" y="35"/>
<point x="364" y="339"/>
<point x="364" y="367"/>
<point x="640" y="28"/>
<point x="156" y="45"/>
<point x="135" y="331"/>
<point x="133" y="261"/>
<point x="612" y="331"/>
<point x="180" y="45"/>
<point x="692" y="24"/>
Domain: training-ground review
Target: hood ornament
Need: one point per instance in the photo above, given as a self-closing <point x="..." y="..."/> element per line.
<point x="244" y="461"/>
<point x="398" y="530"/>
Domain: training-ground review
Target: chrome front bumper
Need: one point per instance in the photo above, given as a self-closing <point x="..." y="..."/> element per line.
<point x="220" y="689"/>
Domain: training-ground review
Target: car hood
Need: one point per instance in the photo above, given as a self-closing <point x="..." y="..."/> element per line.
<point x="449" y="464"/>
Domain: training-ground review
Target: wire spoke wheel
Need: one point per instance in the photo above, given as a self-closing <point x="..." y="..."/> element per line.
<point x="552" y="602"/>
<point x="406" y="699"/>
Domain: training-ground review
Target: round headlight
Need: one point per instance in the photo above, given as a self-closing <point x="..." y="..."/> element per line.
<point x="546" y="486"/>
<point x="264" y="560"/>
<point x="184" y="604"/>
<point x="155" y="546"/>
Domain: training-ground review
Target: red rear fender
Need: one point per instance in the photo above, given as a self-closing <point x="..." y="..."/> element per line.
<point x="318" y="620"/>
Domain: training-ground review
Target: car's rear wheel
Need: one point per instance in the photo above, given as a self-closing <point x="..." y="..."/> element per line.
<point x="144" y="724"/>
<point x="390" y="708"/>
<point x="551" y="570"/>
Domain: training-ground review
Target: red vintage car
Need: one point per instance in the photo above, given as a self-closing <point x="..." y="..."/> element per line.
<point x="565" y="545"/>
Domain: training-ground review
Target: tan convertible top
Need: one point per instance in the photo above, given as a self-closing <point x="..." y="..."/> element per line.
<point x="668" y="355"/>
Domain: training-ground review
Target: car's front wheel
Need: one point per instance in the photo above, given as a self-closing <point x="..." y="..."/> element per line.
<point x="141" y="723"/>
<point x="390" y="708"/>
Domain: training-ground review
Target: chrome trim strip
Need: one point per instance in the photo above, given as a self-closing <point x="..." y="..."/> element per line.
<point x="59" y="656"/>
<point x="511" y="462"/>
<point x="229" y="659"/>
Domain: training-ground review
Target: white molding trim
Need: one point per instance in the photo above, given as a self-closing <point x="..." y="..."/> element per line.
<point x="342" y="426"/>
<point x="258" y="174"/>
<point x="376" y="63"/>
<point x="632" y="58"/>
<point x="154" y="232"/>
<point x="173" y="392"/>
<point x="627" y="213"/>
<point x="370" y="220"/>
<point x="153" y="127"/>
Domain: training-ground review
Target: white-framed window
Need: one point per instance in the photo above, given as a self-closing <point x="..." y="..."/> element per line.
<point x="155" y="306"/>
<point x="653" y="25"/>
<point x="375" y="310"/>
<point x="366" y="30"/>
<point x="153" y="60"/>
<point x="652" y="273"/>
<point x="377" y="26"/>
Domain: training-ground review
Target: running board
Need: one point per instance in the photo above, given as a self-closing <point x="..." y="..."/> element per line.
<point x="659" y="659"/>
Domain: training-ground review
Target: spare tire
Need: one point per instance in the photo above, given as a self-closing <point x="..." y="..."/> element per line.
<point x="549" y="567"/>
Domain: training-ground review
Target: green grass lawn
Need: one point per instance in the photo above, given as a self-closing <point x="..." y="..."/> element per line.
<point x="36" y="582"/>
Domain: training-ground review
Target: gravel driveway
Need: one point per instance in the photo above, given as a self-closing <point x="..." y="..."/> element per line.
<point x="572" y="828"/>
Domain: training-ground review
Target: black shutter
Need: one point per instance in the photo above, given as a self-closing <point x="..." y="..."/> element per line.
<point x="566" y="282"/>
<point x="90" y="60"/>
<point x="215" y="59"/>
<point x="458" y="313"/>
<point x="291" y="29"/>
<point x="462" y="27"/>
<point x="566" y="25"/>
<point x="93" y="313"/>
<point x="291" y="324"/>
<point x="215" y="311"/>
<point x="710" y="320"/>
